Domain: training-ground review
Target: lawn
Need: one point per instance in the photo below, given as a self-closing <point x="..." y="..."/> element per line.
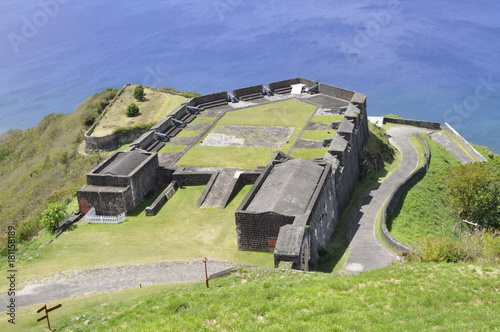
<point x="288" y="113"/>
<point x="308" y="153"/>
<point x="425" y="209"/>
<point x="188" y="133"/>
<point x="402" y="297"/>
<point x="318" y="135"/>
<point x="327" y="118"/>
<point x="156" y="107"/>
<point x="147" y="239"/>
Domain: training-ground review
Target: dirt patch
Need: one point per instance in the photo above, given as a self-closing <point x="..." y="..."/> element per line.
<point x="307" y="144"/>
<point x="317" y="126"/>
<point x="183" y="140"/>
<point x="248" y="136"/>
<point x="199" y="126"/>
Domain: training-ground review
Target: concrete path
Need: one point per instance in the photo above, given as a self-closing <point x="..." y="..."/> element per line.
<point x="366" y="253"/>
<point x="453" y="148"/>
<point x="221" y="188"/>
<point x="83" y="282"/>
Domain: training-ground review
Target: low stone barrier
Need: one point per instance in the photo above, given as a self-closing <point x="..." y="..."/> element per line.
<point x="335" y="92"/>
<point x="163" y="198"/>
<point x="449" y="129"/>
<point x="395" y="198"/>
<point x="414" y="123"/>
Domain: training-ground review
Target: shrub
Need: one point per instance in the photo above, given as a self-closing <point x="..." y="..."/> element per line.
<point x="479" y="247"/>
<point x="52" y="216"/>
<point x="132" y="110"/>
<point x="139" y="93"/>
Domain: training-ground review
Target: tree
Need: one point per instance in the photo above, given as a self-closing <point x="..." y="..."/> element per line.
<point x="132" y="110"/>
<point x="139" y="93"/>
<point x="474" y="190"/>
<point x="52" y="216"/>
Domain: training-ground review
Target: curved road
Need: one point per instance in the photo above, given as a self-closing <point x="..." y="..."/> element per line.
<point x="365" y="251"/>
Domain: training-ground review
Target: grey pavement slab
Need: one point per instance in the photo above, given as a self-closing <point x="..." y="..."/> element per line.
<point x="453" y="148"/>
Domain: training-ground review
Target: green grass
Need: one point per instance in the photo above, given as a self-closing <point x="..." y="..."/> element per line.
<point x="403" y="297"/>
<point x="308" y="153"/>
<point x="417" y="144"/>
<point x="230" y="157"/>
<point x="288" y="113"/>
<point x="167" y="148"/>
<point x="146" y="239"/>
<point x="425" y="209"/>
<point x="484" y="151"/>
<point x="327" y="118"/>
<point x="188" y="133"/>
<point x="318" y="135"/>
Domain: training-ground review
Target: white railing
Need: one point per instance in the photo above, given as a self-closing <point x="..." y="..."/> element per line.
<point x="92" y="217"/>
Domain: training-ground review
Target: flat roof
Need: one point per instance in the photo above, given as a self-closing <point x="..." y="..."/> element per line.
<point x="123" y="163"/>
<point x="288" y="188"/>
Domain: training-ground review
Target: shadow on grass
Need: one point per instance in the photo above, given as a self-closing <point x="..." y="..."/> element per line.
<point x="147" y="202"/>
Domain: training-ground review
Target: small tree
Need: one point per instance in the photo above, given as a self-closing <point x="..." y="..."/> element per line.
<point x="51" y="217"/>
<point x="132" y="110"/>
<point x="139" y="93"/>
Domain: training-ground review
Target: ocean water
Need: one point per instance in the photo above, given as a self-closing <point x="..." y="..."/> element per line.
<point x="431" y="60"/>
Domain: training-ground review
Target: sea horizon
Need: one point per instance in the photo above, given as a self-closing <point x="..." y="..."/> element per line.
<point x="428" y="61"/>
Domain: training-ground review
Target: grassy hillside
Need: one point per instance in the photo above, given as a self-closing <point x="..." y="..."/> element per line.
<point x="42" y="164"/>
<point x="425" y="209"/>
<point x="155" y="107"/>
<point x="402" y="297"/>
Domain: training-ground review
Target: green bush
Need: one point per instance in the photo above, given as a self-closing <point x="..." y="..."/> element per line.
<point x="139" y="93"/>
<point x="52" y="216"/>
<point x="132" y="110"/>
<point x="479" y="247"/>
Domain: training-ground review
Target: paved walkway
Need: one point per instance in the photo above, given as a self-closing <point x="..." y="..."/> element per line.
<point x="221" y="188"/>
<point x="453" y="148"/>
<point x="83" y="282"/>
<point x="366" y="253"/>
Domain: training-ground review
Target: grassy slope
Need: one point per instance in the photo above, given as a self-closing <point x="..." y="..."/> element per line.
<point x="289" y="113"/>
<point x="156" y="107"/>
<point x="409" y="297"/>
<point x="425" y="209"/>
<point x="40" y="161"/>
<point x="146" y="239"/>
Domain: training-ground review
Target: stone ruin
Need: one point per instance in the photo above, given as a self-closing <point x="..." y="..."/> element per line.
<point x="294" y="204"/>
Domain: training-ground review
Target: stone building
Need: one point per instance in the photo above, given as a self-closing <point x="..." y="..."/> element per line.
<point x="120" y="183"/>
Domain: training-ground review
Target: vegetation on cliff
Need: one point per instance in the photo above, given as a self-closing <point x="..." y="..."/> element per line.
<point x="41" y="165"/>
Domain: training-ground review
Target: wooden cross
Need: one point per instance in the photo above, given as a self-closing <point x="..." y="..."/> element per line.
<point x="47" y="313"/>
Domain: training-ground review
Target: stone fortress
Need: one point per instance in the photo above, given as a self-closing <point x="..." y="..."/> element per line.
<point x="294" y="204"/>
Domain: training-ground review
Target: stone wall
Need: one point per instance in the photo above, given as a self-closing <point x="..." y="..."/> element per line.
<point x="415" y="123"/>
<point x="107" y="203"/>
<point x="254" y="229"/>
<point x="208" y="98"/>
<point x="449" y="129"/>
<point x="395" y="200"/>
<point x="144" y="179"/>
<point x="163" y="198"/>
<point x="283" y="84"/>
<point x="248" y="90"/>
<point x="207" y="189"/>
<point x="335" y="92"/>
<point x="113" y="141"/>
<point x="192" y="178"/>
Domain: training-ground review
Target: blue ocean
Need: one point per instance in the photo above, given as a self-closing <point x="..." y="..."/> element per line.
<point x="431" y="60"/>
